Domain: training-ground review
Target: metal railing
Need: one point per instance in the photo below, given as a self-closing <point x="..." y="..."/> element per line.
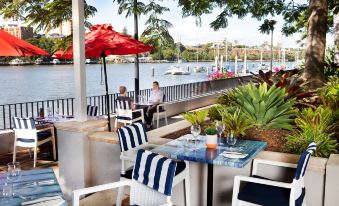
<point x="66" y="106"/>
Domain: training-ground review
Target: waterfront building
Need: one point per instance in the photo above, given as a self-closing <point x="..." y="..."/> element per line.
<point x="21" y="32"/>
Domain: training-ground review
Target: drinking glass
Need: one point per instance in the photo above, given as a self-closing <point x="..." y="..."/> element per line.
<point x="195" y="131"/>
<point x="220" y="127"/>
<point x="231" y="138"/>
<point x="50" y="113"/>
<point x="13" y="173"/>
<point x="57" y="111"/>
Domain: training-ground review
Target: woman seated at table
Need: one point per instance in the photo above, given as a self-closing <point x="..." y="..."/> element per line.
<point x="124" y="97"/>
<point x="155" y="98"/>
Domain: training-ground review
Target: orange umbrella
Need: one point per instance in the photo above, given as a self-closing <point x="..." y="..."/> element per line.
<point x="13" y="46"/>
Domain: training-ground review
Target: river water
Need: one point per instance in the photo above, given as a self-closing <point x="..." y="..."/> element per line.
<point x="43" y="82"/>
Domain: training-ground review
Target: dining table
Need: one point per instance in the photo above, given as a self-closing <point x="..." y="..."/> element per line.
<point x="194" y="150"/>
<point x="32" y="187"/>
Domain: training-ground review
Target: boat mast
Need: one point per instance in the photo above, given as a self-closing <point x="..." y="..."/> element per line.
<point x="261" y="56"/>
<point x="226" y="54"/>
<point x="245" y="61"/>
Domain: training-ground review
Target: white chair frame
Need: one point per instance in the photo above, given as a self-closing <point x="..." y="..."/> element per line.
<point x="131" y="183"/>
<point x="256" y="162"/>
<point x="32" y="134"/>
<point x="127" y="157"/>
<point x="157" y="115"/>
<point x="131" y="121"/>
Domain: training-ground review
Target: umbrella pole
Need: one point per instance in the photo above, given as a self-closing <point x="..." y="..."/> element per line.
<point x="107" y="96"/>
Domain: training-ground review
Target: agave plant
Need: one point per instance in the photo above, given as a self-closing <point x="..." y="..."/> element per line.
<point x="197" y="117"/>
<point x="290" y="81"/>
<point x="266" y="108"/>
<point x="329" y="94"/>
<point x="234" y="120"/>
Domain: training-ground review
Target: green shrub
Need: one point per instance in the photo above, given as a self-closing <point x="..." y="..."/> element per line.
<point x="314" y="125"/>
<point x="227" y="98"/>
<point x="329" y="94"/>
<point x="197" y="117"/>
<point x="213" y="112"/>
<point x="298" y="142"/>
<point x="265" y="108"/>
<point x="235" y="121"/>
<point x="210" y="131"/>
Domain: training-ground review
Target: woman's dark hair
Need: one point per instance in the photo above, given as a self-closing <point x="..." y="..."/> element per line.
<point x="155" y="82"/>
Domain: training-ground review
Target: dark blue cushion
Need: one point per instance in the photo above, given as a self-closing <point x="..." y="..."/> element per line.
<point x="41" y="136"/>
<point x="265" y="195"/>
<point x="180" y="167"/>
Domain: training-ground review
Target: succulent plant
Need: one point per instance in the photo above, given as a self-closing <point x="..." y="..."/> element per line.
<point x="266" y="108"/>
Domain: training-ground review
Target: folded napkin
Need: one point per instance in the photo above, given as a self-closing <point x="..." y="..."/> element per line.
<point x="233" y="155"/>
<point x="46" y="201"/>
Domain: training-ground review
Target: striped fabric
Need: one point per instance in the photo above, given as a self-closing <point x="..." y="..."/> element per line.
<point x="23" y="123"/>
<point x="92" y="111"/>
<point x="132" y="136"/>
<point x="298" y="180"/>
<point x="124" y="110"/>
<point x="154" y="171"/>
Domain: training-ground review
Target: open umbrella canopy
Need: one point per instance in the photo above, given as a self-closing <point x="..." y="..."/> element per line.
<point x="102" y="38"/>
<point x="13" y="46"/>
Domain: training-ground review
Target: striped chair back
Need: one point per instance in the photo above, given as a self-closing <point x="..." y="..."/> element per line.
<point x="154" y="171"/>
<point x="23" y="123"/>
<point x="92" y="111"/>
<point x="132" y="136"/>
<point x="298" y="179"/>
<point x="124" y="110"/>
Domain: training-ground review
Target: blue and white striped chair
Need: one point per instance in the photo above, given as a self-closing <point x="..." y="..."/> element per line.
<point x="263" y="191"/>
<point x="92" y="111"/>
<point x="133" y="138"/>
<point x="26" y="135"/>
<point x="151" y="184"/>
<point x="124" y="113"/>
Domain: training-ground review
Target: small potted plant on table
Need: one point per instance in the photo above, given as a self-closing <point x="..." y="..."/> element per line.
<point x="211" y="137"/>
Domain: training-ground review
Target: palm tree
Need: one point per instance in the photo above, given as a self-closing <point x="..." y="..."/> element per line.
<point x="267" y="28"/>
<point x="156" y="32"/>
<point x="135" y="8"/>
<point x="45" y="15"/>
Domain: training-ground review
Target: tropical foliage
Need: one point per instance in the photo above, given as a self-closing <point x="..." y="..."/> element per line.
<point x="291" y="82"/>
<point x="213" y="112"/>
<point x="197" y="117"/>
<point x="314" y="125"/>
<point x="42" y="14"/>
<point x="234" y="120"/>
<point x="266" y="108"/>
<point x="210" y="131"/>
<point x="329" y="94"/>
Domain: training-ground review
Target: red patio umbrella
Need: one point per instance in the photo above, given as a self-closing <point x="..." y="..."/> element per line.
<point x="101" y="41"/>
<point x="13" y="46"/>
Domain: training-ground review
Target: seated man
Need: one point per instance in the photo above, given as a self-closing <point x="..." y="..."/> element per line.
<point x="124" y="97"/>
<point x="155" y="98"/>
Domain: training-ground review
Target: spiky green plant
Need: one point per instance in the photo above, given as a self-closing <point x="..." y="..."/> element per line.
<point x="329" y="94"/>
<point x="314" y="125"/>
<point x="234" y="120"/>
<point x="197" y="117"/>
<point x="265" y="108"/>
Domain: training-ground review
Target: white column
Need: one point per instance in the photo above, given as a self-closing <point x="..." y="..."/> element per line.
<point x="78" y="18"/>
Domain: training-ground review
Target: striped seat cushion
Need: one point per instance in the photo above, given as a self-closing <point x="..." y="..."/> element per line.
<point x="23" y="123"/>
<point x="154" y="171"/>
<point x="92" y="111"/>
<point x="132" y="136"/>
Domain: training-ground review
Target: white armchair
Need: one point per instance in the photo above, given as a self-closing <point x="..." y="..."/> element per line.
<point x="161" y="111"/>
<point x="132" y="138"/>
<point x="147" y="187"/>
<point x="262" y="191"/>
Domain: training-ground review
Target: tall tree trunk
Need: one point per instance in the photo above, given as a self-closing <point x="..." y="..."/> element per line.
<point x="336" y="39"/>
<point x="271" y="62"/>
<point x="136" y="60"/>
<point x="316" y="43"/>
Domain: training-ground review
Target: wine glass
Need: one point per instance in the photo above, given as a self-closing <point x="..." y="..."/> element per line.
<point x="49" y="112"/>
<point x="220" y="127"/>
<point x="57" y="113"/>
<point x="231" y="138"/>
<point x="13" y="173"/>
<point x="195" y="131"/>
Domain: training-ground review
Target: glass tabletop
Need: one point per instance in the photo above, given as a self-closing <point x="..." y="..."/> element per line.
<point x="31" y="185"/>
<point x="182" y="149"/>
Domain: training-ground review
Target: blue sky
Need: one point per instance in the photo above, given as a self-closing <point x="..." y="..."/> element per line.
<point x="245" y="30"/>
